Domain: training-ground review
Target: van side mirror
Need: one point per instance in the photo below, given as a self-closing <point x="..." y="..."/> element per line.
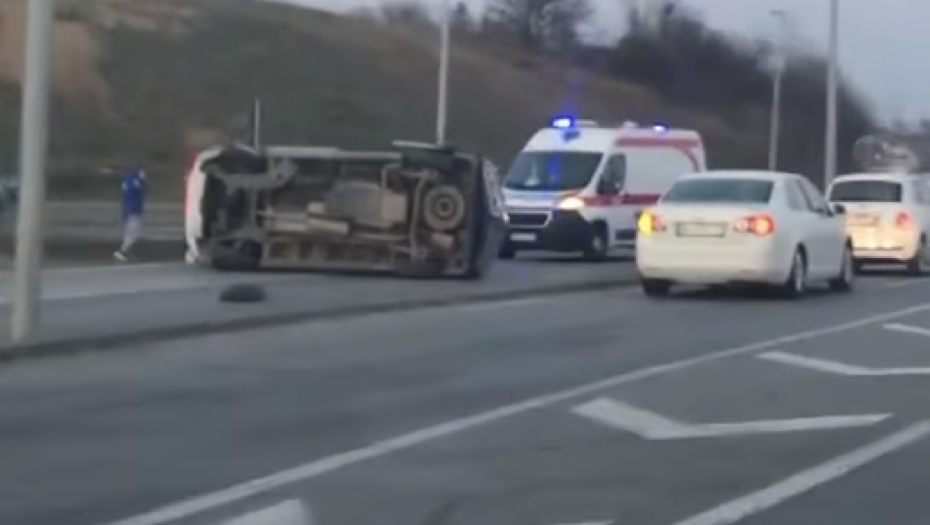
<point x="838" y="209"/>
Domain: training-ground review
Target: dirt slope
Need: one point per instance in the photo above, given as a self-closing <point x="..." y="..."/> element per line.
<point x="143" y="81"/>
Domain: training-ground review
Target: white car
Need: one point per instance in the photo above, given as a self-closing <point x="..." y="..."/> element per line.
<point x="744" y="227"/>
<point x="888" y="218"/>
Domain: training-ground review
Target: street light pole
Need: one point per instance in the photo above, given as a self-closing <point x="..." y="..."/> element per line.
<point x="443" y="94"/>
<point x="40" y="19"/>
<point x="777" y="80"/>
<point x="829" y="162"/>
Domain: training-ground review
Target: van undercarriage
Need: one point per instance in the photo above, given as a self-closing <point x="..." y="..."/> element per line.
<point x="416" y="211"/>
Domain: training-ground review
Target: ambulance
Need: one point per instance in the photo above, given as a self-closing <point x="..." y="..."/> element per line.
<point x="579" y="187"/>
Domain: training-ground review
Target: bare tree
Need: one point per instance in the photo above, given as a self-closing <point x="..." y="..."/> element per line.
<point x="406" y="13"/>
<point x="462" y="20"/>
<point x="539" y="24"/>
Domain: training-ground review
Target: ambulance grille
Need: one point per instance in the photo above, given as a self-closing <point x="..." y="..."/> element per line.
<point x="530" y="219"/>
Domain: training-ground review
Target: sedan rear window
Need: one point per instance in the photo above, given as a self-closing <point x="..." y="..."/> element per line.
<point x="867" y="191"/>
<point x="737" y="191"/>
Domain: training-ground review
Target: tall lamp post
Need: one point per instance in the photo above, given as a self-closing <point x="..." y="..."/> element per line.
<point x="40" y="19"/>
<point x="829" y="161"/>
<point x="443" y="84"/>
<point x="777" y="81"/>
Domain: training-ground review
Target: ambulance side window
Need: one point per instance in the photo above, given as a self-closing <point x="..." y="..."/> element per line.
<point x="614" y="176"/>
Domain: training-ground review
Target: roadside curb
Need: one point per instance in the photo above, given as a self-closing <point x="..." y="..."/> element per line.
<point x="119" y="342"/>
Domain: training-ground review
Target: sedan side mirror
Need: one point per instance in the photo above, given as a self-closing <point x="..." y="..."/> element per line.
<point x="838" y="208"/>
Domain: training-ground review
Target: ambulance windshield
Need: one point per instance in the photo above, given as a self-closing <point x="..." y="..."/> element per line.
<point x="552" y="170"/>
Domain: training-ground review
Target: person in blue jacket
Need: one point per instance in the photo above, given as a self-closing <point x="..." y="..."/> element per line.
<point x="133" y="197"/>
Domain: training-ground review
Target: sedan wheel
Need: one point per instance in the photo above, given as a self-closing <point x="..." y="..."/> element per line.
<point x="844" y="281"/>
<point x="796" y="285"/>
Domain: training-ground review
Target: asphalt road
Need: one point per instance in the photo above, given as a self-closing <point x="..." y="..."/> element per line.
<point x="522" y="413"/>
<point x="101" y="301"/>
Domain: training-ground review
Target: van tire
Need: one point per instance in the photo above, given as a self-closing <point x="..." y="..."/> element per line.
<point x="598" y="249"/>
<point x="655" y="287"/>
<point x="917" y="266"/>
<point x="243" y="257"/>
<point x="507" y="251"/>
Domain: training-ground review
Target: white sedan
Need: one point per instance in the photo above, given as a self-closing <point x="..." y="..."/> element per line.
<point x="743" y="227"/>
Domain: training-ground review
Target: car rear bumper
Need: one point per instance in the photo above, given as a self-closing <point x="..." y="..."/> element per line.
<point x="884" y="255"/>
<point x="884" y="245"/>
<point x="698" y="265"/>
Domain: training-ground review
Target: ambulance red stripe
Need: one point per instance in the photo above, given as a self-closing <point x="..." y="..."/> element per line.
<point x="687" y="146"/>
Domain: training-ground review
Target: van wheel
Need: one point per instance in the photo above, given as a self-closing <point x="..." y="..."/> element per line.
<point x="796" y="285"/>
<point x="244" y="256"/>
<point x="843" y="282"/>
<point x="599" y="245"/>
<point x="655" y="287"/>
<point x="917" y="266"/>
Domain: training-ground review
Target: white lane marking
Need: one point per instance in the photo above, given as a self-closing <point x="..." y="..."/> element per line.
<point x="904" y="283"/>
<point x="804" y="481"/>
<point x="104" y="269"/>
<point x="318" y="467"/>
<point x="645" y="424"/>
<point x="587" y="523"/>
<point x="291" y="512"/>
<point x="527" y="301"/>
<point x="907" y="329"/>
<point x="838" y="368"/>
<point x="121" y="267"/>
<point x="652" y="426"/>
<point x="97" y="294"/>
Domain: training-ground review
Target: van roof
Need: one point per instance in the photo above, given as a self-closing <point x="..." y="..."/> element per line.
<point x="887" y="177"/>
<point x="742" y="174"/>
<point x="600" y="139"/>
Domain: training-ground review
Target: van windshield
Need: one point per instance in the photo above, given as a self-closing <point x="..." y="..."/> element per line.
<point x="866" y="191"/>
<point x="552" y="170"/>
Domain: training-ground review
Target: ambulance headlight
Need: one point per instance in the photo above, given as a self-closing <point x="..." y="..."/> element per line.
<point x="571" y="203"/>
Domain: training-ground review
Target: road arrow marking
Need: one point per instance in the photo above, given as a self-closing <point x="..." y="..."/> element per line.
<point x="907" y="329"/>
<point x="291" y="512"/>
<point x="837" y="368"/>
<point x="652" y="426"/>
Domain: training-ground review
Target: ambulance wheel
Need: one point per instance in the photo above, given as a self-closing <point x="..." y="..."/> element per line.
<point x="599" y="245"/>
<point x="507" y="251"/>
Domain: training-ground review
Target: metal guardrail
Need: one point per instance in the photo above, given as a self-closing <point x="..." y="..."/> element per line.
<point x="100" y="220"/>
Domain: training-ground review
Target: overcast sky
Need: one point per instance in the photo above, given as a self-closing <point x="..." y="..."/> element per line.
<point x="881" y="41"/>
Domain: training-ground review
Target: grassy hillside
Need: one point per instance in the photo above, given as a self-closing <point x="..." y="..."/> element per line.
<point x="147" y="82"/>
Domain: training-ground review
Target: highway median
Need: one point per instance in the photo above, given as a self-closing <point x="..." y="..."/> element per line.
<point x="128" y="320"/>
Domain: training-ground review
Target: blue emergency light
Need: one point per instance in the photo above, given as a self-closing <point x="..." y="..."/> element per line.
<point x="563" y="123"/>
